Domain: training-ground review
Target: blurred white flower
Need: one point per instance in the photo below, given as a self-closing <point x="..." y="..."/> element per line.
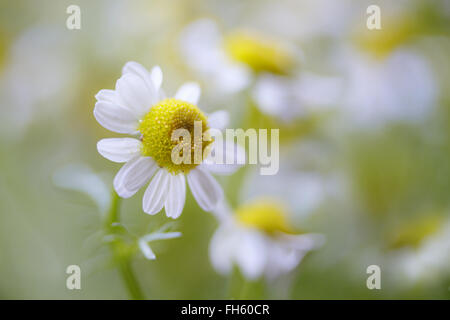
<point x="202" y="47"/>
<point x="305" y="20"/>
<point x="230" y="61"/>
<point x="306" y="179"/>
<point x="288" y="98"/>
<point x="139" y="106"/>
<point x="38" y="78"/>
<point x="431" y="260"/>
<point x="258" y="239"/>
<point x="304" y="191"/>
<point x="398" y="87"/>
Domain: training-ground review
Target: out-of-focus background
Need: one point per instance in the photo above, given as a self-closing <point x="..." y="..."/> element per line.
<point x="364" y="120"/>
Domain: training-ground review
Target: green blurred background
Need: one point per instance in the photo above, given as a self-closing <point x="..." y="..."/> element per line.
<point x="380" y="194"/>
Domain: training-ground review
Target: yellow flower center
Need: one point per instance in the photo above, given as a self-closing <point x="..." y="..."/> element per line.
<point x="394" y="32"/>
<point x="266" y="215"/>
<point x="259" y="53"/>
<point x="3" y="49"/>
<point x="157" y="128"/>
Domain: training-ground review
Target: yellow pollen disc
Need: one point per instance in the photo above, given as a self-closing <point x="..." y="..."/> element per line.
<point x="157" y="127"/>
<point x="380" y="43"/>
<point x="3" y="49"/>
<point x="266" y="215"/>
<point x="259" y="53"/>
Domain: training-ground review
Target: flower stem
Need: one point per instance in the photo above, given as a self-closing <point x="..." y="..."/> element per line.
<point x="130" y="280"/>
<point x="120" y="250"/>
<point x="241" y="288"/>
<point x="245" y="288"/>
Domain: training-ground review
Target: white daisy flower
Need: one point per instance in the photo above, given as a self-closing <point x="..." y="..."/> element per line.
<point x="288" y="98"/>
<point x="138" y="106"/>
<point x="306" y="169"/>
<point x="387" y="81"/>
<point x="398" y="87"/>
<point x="258" y="239"/>
<point x="229" y="62"/>
<point x="423" y="259"/>
<point x="305" y="21"/>
<point x="34" y="81"/>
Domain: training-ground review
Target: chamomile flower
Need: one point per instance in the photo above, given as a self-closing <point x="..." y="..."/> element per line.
<point x="231" y="60"/>
<point x="387" y="81"/>
<point x="304" y="21"/>
<point x="34" y="81"/>
<point x="397" y="87"/>
<point x="139" y="107"/>
<point x="422" y="250"/>
<point x="306" y="168"/>
<point x="259" y="240"/>
<point x="239" y="58"/>
<point x="288" y="98"/>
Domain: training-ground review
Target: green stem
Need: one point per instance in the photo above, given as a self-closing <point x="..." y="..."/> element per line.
<point x="130" y="280"/>
<point x="117" y="246"/>
<point x="245" y="288"/>
<point x="241" y="288"/>
<point x="113" y="214"/>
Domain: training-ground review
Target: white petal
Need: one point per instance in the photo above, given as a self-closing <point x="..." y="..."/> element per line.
<point x="276" y="96"/>
<point x="106" y="95"/>
<point x="223" y="213"/>
<point x="219" y="119"/>
<point x="157" y="77"/>
<point x="115" y="118"/>
<point x="287" y="252"/>
<point x="231" y="77"/>
<point x="133" y="175"/>
<point x="152" y="79"/>
<point x="318" y="91"/>
<point x="282" y="259"/>
<point x="199" y="42"/>
<point x="134" y="94"/>
<point x="119" y="149"/>
<point x="222" y="249"/>
<point x="176" y="195"/>
<point x="137" y="69"/>
<point x="146" y="250"/>
<point x="201" y="45"/>
<point x="304" y="242"/>
<point x="156" y="193"/>
<point x="205" y="188"/>
<point x="251" y="255"/>
<point x="189" y="92"/>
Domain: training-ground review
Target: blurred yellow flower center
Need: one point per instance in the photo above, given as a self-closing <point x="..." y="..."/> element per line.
<point x="266" y="215"/>
<point x="259" y="53"/>
<point x="415" y="232"/>
<point x="380" y="43"/>
<point x="3" y="49"/>
<point x="157" y="127"/>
